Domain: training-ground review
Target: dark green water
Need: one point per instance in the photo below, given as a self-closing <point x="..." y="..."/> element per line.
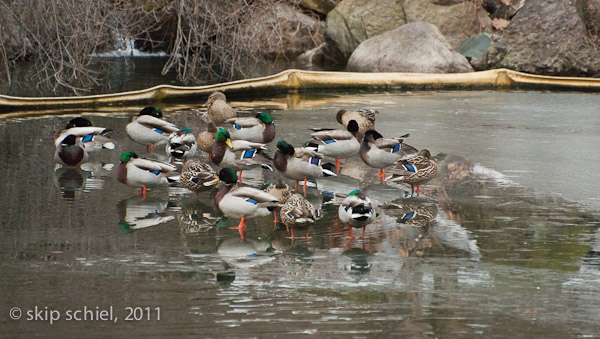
<point x="509" y="247"/>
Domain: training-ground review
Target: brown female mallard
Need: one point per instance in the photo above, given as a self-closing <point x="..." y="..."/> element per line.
<point x="218" y="110"/>
<point x="414" y="171"/>
<point x="298" y="213"/>
<point x="364" y="117"/>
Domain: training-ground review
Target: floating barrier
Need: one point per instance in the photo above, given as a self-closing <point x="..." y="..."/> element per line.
<point x="299" y="80"/>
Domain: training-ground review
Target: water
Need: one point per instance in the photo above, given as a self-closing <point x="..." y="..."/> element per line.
<point x="507" y="246"/>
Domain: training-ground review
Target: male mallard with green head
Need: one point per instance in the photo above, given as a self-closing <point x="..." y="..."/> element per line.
<point x="237" y="154"/>
<point x="414" y="171"/>
<point x="143" y="172"/>
<point x="148" y="128"/>
<point x="241" y="202"/>
<point x="260" y="128"/>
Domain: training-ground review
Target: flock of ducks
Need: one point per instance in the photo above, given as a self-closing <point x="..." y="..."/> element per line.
<point x="235" y="144"/>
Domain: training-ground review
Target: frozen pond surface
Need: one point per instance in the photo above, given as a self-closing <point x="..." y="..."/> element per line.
<point x="508" y="244"/>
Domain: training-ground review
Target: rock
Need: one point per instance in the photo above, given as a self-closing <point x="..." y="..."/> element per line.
<point x="456" y="20"/>
<point x="589" y="11"/>
<point x="474" y="48"/>
<point x="319" y="6"/>
<point x="416" y="47"/>
<point x="295" y="32"/>
<point x="354" y="21"/>
<point x="546" y="37"/>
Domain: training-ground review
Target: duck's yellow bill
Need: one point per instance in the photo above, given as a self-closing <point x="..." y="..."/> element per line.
<point x="229" y="143"/>
<point x="212" y="182"/>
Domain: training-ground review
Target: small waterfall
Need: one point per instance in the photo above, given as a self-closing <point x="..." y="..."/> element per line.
<point x="124" y="48"/>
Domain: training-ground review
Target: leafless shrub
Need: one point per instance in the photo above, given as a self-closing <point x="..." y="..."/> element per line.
<point x="205" y="39"/>
<point x="58" y="39"/>
<point x="224" y="39"/>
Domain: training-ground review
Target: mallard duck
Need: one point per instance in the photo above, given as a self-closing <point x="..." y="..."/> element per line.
<point x="92" y="138"/>
<point x="364" y="117"/>
<point x="143" y="172"/>
<point x="357" y="211"/>
<point x="236" y="201"/>
<point x="206" y="138"/>
<point x="414" y="171"/>
<point x="148" y="128"/>
<point x="300" y="163"/>
<point x="282" y="192"/>
<point x="218" y="110"/>
<point x="197" y="176"/>
<point x="237" y="154"/>
<point x="182" y="145"/>
<point x="298" y="213"/>
<point x="379" y="152"/>
<point x="336" y="143"/>
<point x="70" y="152"/>
<point x="258" y="129"/>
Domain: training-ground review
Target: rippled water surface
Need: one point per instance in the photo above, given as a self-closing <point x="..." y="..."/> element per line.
<point x="507" y="242"/>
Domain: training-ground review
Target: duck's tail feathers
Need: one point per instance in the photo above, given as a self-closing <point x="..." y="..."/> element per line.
<point x="329" y="169"/>
<point x="267" y="166"/>
<point x="109" y="145"/>
<point x="409" y="150"/>
<point x="311" y="145"/>
<point x="173" y="176"/>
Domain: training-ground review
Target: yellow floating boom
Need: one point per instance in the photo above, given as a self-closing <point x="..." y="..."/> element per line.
<point x="293" y="79"/>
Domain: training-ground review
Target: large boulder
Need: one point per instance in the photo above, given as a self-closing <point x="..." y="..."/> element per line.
<point x="416" y="47"/>
<point x="354" y="21"/>
<point x="457" y="19"/>
<point x="546" y="37"/>
<point x="286" y="31"/>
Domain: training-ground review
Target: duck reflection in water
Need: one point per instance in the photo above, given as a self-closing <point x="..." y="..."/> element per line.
<point x="245" y="253"/>
<point x="89" y="177"/>
<point x="69" y="180"/>
<point x="137" y="213"/>
<point x="193" y="218"/>
<point x="292" y="251"/>
<point x="356" y="261"/>
<point x="414" y="218"/>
